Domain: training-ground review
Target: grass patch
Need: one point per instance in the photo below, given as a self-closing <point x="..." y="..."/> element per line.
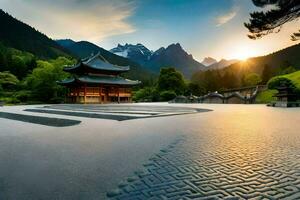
<point x="294" y="77"/>
<point x="266" y="96"/>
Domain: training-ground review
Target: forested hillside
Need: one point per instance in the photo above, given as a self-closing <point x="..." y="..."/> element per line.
<point x="21" y="36"/>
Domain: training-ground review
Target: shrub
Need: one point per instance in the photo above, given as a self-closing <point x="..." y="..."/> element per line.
<point x="167" y="95"/>
<point x="8" y="81"/>
<point x="277" y="81"/>
<point x="146" y="94"/>
<point x="12" y="100"/>
<point x="266" y="96"/>
<point x="23" y="95"/>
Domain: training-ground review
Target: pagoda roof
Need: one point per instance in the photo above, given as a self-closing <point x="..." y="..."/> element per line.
<point x="100" y="79"/>
<point x="97" y="62"/>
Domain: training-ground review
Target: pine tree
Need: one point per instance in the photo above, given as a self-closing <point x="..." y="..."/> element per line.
<point x="263" y="23"/>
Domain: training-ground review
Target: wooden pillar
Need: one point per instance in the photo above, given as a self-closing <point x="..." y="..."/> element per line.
<point x="130" y="96"/>
<point x="84" y="93"/>
<point x="118" y="95"/>
<point x="100" y="94"/>
<point x="105" y="94"/>
<point x="77" y="94"/>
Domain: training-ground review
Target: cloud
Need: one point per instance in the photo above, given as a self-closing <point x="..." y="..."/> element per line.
<point x="223" y="19"/>
<point x="92" y="20"/>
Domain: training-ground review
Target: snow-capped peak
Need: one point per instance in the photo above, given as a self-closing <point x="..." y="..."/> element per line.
<point x="137" y="52"/>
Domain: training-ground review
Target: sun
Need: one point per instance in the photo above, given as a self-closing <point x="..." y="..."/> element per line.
<point x="243" y="53"/>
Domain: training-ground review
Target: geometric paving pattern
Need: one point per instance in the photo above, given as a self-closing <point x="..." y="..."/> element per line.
<point x="115" y="111"/>
<point x="211" y="167"/>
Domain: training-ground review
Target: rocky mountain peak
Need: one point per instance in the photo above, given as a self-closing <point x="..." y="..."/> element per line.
<point x="209" y="61"/>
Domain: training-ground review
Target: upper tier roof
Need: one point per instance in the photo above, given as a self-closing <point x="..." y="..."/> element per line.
<point x="98" y="63"/>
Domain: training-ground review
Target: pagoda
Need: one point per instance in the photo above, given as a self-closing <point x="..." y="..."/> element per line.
<point x="286" y="97"/>
<point x="95" y="80"/>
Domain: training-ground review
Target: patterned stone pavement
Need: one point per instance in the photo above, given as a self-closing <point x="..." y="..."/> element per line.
<point x="233" y="152"/>
<point x="117" y="112"/>
<point x="245" y="167"/>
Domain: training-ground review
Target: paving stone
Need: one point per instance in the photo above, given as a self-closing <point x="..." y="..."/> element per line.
<point x="197" y="170"/>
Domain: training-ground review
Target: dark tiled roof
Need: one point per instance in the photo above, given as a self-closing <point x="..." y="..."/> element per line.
<point x="110" y="80"/>
<point x="97" y="62"/>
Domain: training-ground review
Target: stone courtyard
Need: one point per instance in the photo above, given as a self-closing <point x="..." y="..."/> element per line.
<point x="149" y="151"/>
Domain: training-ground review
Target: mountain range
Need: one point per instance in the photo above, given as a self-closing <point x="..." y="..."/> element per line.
<point x="142" y="61"/>
<point x="139" y="55"/>
<point x="172" y="56"/>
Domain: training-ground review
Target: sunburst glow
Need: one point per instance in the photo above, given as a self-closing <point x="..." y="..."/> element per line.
<point x="243" y="52"/>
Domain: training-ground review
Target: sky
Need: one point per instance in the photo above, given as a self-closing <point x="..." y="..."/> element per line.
<point x="203" y="27"/>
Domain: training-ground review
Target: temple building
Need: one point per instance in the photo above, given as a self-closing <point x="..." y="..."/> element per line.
<point x="94" y="80"/>
<point x="286" y="97"/>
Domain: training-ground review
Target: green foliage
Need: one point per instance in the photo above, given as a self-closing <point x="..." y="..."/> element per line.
<point x="287" y="70"/>
<point x="167" y="95"/>
<point x="266" y="96"/>
<point x="42" y="81"/>
<point x="295" y="77"/>
<point x="8" y="81"/>
<point x="194" y="89"/>
<point x="12" y="100"/>
<point x="23" y="95"/>
<point x="278" y="81"/>
<point x="252" y="79"/>
<point x="292" y="80"/>
<point x="147" y="94"/>
<point x="17" y="62"/>
<point x="170" y="79"/>
<point x="169" y="84"/>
